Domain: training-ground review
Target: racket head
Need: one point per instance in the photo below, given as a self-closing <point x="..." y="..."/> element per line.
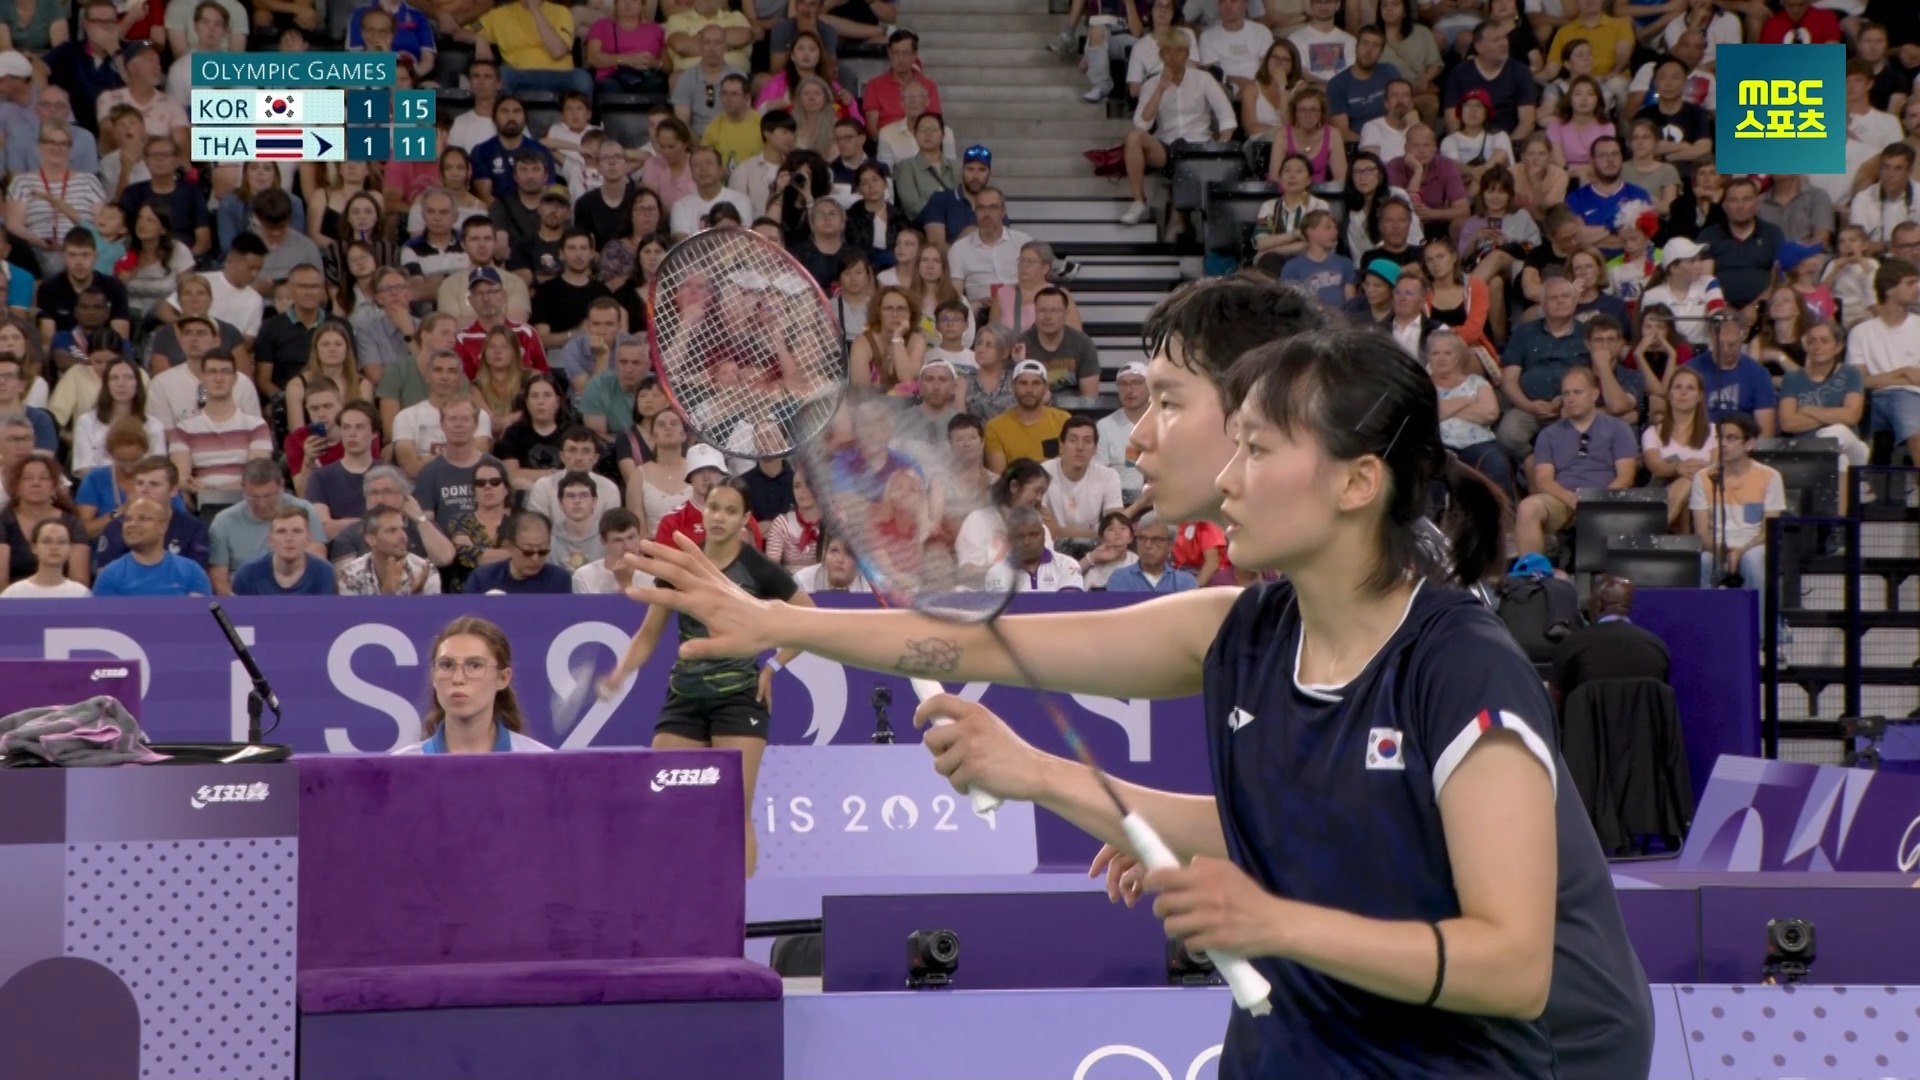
<point x="743" y="339"/>
<point x="919" y="521"/>
<point x="571" y="699"/>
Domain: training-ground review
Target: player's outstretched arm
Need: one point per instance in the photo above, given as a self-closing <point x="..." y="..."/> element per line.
<point x="1154" y="649"/>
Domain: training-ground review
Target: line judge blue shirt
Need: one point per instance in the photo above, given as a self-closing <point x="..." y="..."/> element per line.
<point x="504" y="741"/>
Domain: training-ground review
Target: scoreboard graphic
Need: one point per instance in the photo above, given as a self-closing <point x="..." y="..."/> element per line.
<point x="308" y="107"/>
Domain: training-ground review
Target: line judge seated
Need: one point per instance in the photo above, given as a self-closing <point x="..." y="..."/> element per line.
<point x="474" y="708"/>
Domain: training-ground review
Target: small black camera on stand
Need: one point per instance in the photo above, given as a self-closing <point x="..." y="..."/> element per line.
<point x="932" y="958"/>
<point x="882" y="700"/>
<point x="1862" y="729"/>
<point x="1188" y="968"/>
<point x="1789" y="952"/>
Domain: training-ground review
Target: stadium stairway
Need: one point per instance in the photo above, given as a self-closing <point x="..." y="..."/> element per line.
<point x="1000" y="86"/>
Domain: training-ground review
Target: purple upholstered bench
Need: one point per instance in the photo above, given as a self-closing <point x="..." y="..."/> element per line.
<point x="528" y="915"/>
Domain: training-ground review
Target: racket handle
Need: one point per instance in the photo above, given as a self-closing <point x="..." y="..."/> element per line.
<point x="1250" y="988"/>
<point x="983" y="803"/>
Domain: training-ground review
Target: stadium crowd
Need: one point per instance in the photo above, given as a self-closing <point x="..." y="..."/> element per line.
<point x="409" y="377"/>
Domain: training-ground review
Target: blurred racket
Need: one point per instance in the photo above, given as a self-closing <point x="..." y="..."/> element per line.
<point x="571" y="699"/>
<point x="747" y="349"/>
<point x="742" y="340"/>
<point x="922" y="525"/>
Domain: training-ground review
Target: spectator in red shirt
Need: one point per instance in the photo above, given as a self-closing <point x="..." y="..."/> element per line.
<point x="881" y="99"/>
<point x="705" y="468"/>
<point x="1200" y="547"/>
<point x="489" y="299"/>
<point x="1798" y="22"/>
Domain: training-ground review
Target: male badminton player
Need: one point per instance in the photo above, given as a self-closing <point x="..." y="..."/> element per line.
<point x="719" y="701"/>
<point x="1598" y="1012"/>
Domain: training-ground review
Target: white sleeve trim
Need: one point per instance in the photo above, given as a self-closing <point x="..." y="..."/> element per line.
<point x="1488" y="720"/>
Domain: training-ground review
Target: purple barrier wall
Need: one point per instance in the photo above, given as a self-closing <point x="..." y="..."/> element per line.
<point x="351" y="675"/>
<point x="1863" y="934"/>
<point x="36" y="684"/>
<point x="150" y="927"/>
<point x="1783" y="815"/>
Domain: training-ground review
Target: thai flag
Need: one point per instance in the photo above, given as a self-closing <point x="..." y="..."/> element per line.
<point x="278" y="144"/>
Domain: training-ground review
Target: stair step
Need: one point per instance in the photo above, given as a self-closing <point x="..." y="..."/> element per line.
<point x="1057" y="167"/>
<point x="1025" y="75"/>
<point x="992" y="8"/>
<point x="944" y="64"/>
<point x="1089" y="127"/>
<point x="1064" y="106"/>
<point x="932" y="25"/>
<point x="1085" y="185"/>
<point x="1054" y="232"/>
<point x="1020" y="94"/>
<point x="1106" y="209"/>
<point x="1008" y="144"/>
<point x="1115" y="358"/>
<point x="1093" y="273"/>
<point x="1131" y="296"/>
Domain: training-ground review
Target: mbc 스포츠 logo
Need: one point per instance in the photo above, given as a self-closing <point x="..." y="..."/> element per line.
<point x="1780" y="109"/>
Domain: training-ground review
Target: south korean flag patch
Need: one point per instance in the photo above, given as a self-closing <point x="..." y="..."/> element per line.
<point x="1386" y="749"/>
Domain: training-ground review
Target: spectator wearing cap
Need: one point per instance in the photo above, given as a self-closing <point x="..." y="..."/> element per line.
<point x="1745" y="248"/>
<point x="709" y="188"/>
<point x="1031" y="429"/>
<point x="990" y="254"/>
<point x="488" y="295"/>
<point x="1894" y="201"/>
<point x="881" y="99"/>
<point x="1508" y="83"/>
<point x="495" y="168"/>
<point x="535" y="45"/>
<point x="936" y="403"/>
<point x="516" y="207"/>
<point x="526" y="570"/>
<point x="705" y="468"/>
<point x="1687" y="287"/>
<point x="536" y="259"/>
<point x="1373" y="304"/>
<point x="1115" y="431"/>
<point x="162" y="115"/>
<point x="1537" y="356"/>
<point x="949" y="213"/>
<point x="83" y="66"/>
<point x="1183" y="103"/>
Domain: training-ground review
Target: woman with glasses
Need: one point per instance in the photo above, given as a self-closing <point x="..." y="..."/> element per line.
<point x="474" y="708"/>
<point x="1013" y="304"/>
<point x="479" y="535"/>
<point x="43" y="205"/>
<point x="53" y="545"/>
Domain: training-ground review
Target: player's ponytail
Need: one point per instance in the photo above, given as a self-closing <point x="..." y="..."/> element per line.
<point x="1474" y="522"/>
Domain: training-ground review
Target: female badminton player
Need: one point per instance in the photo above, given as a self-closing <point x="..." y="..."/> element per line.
<point x="719" y="701"/>
<point x="1598" y="1013"/>
<point x="474" y="707"/>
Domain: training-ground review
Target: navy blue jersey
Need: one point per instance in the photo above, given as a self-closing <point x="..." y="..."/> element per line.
<point x="1329" y="796"/>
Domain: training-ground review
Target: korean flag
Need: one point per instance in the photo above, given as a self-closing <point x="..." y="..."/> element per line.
<point x="1386" y="749"/>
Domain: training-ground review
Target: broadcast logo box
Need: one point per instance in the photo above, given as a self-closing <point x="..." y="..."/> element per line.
<point x="1781" y="109"/>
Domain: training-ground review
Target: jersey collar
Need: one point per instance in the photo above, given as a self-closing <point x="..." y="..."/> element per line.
<point x="502" y="740"/>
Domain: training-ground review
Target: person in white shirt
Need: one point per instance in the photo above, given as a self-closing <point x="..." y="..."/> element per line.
<point x="1080" y="491"/>
<point x="53" y="548"/>
<point x="1894" y="201"/>
<point x="579" y="452"/>
<point x="235" y="300"/>
<point x="1175" y="106"/>
<point x="176" y="393"/>
<point x="1887" y="348"/>
<point x="620" y="537"/>
<point x="1236" y="46"/>
<point x="990" y="254"/>
<point x="710" y="188"/>
<point x="1387" y="135"/>
<point x="1030" y="565"/>
<point x="1326" y="49"/>
<point x="417" y="434"/>
<point x="1869" y="131"/>
<point x="835" y="572"/>
<point x="1688" y="289"/>
<point x="1116" y="429"/>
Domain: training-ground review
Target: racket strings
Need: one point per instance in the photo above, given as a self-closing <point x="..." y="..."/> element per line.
<point x="743" y="341"/>
<point x="1055" y="713"/>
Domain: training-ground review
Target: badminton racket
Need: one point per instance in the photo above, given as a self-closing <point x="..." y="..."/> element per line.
<point x="742" y="340"/>
<point x="927" y="534"/>
<point x="746" y="347"/>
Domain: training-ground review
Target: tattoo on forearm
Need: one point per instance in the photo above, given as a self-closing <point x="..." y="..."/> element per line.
<point x="929" y="656"/>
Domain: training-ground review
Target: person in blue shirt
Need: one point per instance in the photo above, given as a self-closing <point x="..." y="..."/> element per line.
<point x="474" y="709"/>
<point x="287" y="568"/>
<point x="1369" y="723"/>
<point x="526" y="569"/>
<point x="156" y="478"/>
<point x="1153" y="543"/>
<point x="148" y="568"/>
<point x="1736" y="382"/>
<point x="13" y="402"/>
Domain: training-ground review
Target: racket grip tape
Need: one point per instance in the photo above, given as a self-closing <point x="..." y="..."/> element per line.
<point x="1250" y="988"/>
<point x="983" y="803"/>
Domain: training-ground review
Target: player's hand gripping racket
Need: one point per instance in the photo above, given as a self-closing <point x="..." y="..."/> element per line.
<point x="929" y="533"/>
<point x="747" y="349"/>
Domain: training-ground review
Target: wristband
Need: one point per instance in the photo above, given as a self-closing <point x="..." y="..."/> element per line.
<point x="1440" y="969"/>
<point x="775" y="665"/>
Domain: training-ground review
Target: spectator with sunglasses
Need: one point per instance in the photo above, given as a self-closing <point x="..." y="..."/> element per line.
<point x="526" y="569"/>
